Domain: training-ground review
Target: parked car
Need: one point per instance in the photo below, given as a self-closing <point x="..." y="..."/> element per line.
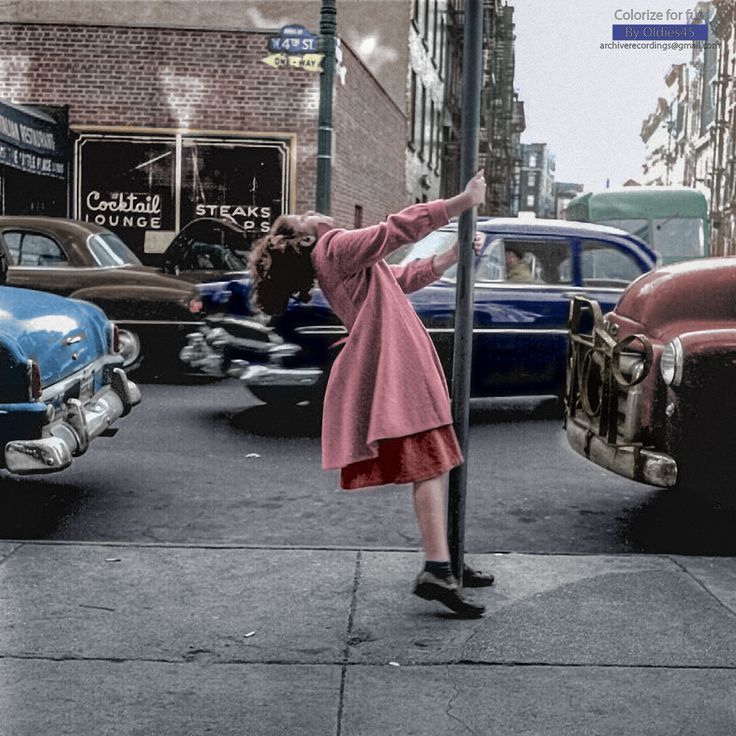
<point x="650" y="384"/>
<point x="61" y="379"/>
<point x="520" y="328"/>
<point x="208" y="249"/>
<point x="153" y="311"/>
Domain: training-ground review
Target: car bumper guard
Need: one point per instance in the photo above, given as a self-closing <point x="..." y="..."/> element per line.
<point x="71" y="436"/>
<point x="629" y="461"/>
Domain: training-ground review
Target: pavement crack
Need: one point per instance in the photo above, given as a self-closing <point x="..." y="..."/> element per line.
<point x="704" y="587"/>
<point x="348" y="642"/>
<point x="451" y="702"/>
<point x="6" y="557"/>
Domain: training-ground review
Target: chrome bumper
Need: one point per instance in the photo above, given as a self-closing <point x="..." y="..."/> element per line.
<point x="630" y="461"/>
<point x="70" y="436"/>
<point x="268" y="375"/>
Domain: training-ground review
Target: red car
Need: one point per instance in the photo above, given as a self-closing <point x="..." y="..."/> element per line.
<point x="650" y="385"/>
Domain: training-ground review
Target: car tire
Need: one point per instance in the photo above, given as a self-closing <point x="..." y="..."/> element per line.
<point x="130" y="349"/>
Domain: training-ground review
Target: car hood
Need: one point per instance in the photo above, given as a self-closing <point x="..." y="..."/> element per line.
<point x="61" y="335"/>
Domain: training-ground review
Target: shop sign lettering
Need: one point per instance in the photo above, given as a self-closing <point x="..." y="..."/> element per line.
<point x="124" y="209"/>
<point x="250" y="217"/>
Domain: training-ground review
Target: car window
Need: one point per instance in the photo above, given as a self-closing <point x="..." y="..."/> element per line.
<point x="109" y="250"/>
<point x="34" y="249"/>
<point x="535" y="260"/>
<point x="213" y="256"/>
<point x="635" y="226"/>
<point x="436" y="242"/>
<point x="604" y="265"/>
<point x="491" y="266"/>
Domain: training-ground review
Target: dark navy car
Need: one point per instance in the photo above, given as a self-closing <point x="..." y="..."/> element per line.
<point x="520" y="322"/>
<point x="61" y="379"/>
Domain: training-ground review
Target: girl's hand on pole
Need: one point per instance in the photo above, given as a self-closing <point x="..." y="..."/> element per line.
<point x="476" y="188"/>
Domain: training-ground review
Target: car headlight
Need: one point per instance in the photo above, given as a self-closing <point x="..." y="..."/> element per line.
<point x="671" y="362"/>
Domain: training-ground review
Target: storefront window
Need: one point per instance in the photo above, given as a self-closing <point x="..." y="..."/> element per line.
<point x="145" y="188"/>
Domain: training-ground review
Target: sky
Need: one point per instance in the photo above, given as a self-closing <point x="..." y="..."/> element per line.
<point x="589" y="103"/>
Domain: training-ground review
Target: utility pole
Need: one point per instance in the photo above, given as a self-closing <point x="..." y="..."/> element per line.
<point x="327" y="33"/>
<point x="463" y="346"/>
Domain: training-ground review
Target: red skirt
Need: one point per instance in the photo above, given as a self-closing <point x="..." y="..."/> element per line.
<point x="406" y="459"/>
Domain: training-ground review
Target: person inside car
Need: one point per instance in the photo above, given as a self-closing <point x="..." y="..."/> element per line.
<point x="516" y="268"/>
<point x="386" y="412"/>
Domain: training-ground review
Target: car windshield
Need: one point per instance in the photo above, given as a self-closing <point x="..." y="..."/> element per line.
<point x="436" y="242"/>
<point x="679" y="236"/>
<point x="108" y="250"/>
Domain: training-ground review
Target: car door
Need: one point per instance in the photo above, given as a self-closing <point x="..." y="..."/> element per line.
<point x="520" y="326"/>
<point x="38" y="261"/>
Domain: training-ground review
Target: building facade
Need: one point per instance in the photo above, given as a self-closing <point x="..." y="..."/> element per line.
<point x="502" y="112"/>
<point x="178" y="110"/>
<point x="537" y="180"/>
<point x="691" y="135"/>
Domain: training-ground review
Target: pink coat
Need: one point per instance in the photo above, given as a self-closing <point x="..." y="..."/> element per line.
<point x="388" y="380"/>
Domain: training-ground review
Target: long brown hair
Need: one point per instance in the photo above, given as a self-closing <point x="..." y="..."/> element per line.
<point x="281" y="267"/>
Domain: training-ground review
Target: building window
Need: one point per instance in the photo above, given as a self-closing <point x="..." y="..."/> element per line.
<point x="358" y="217"/>
<point x="438" y="135"/>
<point x="443" y="31"/>
<point x="532" y="160"/>
<point x="423" y="123"/>
<point x="530" y="201"/>
<point x="431" y="133"/>
<point x="531" y="179"/>
<point x="413" y="111"/>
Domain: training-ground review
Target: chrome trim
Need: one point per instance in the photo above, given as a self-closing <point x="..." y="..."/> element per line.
<point x="501" y="331"/>
<point x="629" y="461"/>
<point x="263" y="375"/>
<point x="144" y="322"/>
<point x="322" y="330"/>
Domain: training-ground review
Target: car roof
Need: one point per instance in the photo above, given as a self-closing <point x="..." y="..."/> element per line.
<point x="59" y="224"/>
<point x="543" y="226"/>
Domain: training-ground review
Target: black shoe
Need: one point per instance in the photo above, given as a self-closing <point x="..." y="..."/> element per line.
<point x="446" y="591"/>
<point x="476" y="578"/>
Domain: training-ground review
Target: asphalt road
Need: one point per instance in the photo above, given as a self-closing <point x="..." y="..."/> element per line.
<point x="203" y="463"/>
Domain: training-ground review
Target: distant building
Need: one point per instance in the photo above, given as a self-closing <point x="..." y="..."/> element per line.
<point x="565" y="192"/>
<point x="537" y="180"/>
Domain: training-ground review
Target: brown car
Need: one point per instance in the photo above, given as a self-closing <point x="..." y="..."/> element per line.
<point x="154" y="311"/>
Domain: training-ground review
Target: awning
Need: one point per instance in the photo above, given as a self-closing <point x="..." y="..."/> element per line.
<point x="32" y="141"/>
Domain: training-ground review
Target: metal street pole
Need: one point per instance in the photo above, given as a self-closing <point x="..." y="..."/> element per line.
<point x="327" y="32"/>
<point x="463" y="346"/>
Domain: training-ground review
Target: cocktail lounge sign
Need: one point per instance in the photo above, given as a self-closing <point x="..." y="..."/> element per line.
<point x="31" y="142"/>
<point x="294" y="47"/>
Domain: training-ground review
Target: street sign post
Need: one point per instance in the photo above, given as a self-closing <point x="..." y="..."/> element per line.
<point x="463" y="346"/>
<point x="327" y="31"/>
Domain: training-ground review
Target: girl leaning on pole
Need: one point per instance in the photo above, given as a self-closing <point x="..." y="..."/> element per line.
<point x="386" y="416"/>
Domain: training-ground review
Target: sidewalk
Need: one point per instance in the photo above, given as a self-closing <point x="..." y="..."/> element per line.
<point x="106" y="640"/>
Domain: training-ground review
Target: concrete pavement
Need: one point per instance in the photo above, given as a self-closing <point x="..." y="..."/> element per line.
<point x="146" y="640"/>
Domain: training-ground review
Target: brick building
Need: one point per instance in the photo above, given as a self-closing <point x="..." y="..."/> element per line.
<point x="169" y="123"/>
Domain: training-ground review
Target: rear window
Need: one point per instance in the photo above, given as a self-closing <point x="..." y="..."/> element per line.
<point x="108" y="250"/>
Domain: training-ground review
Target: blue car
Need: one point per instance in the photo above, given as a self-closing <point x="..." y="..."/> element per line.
<point x="525" y="278"/>
<point x="61" y="380"/>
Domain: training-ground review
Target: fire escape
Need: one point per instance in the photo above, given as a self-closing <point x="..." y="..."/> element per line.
<point x="501" y="118"/>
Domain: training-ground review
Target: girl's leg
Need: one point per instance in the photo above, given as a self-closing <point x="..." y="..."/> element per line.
<point x="430" y="508"/>
<point x="435" y="582"/>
